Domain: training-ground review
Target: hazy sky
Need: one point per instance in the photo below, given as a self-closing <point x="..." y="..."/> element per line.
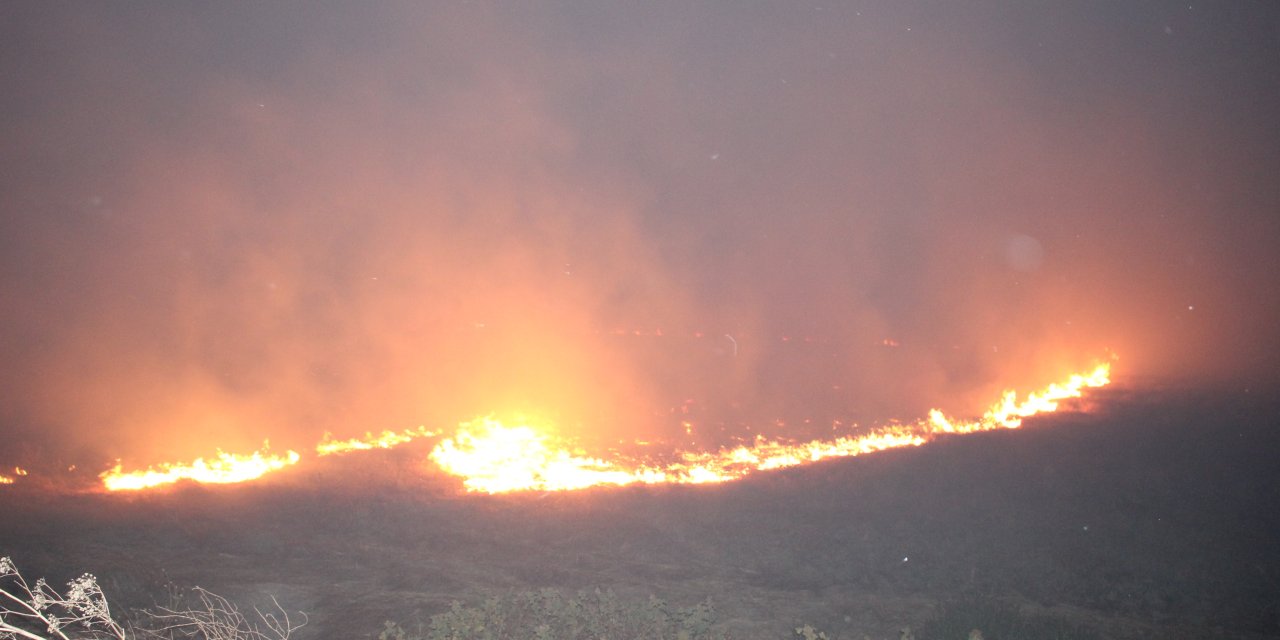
<point x="226" y="221"/>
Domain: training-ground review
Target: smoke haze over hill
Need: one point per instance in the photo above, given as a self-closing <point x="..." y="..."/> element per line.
<point x="225" y="223"/>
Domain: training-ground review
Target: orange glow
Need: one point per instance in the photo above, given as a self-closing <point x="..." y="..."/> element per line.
<point x="1009" y="413"/>
<point x="5" y="479"/>
<point x="384" y="440"/>
<point x="225" y="468"/>
<point x="494" y="458"/>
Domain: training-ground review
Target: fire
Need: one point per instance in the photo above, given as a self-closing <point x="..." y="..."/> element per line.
<point x="18" y="472"/>
<point x="225" y="468"/>
<point x="494" y="458"/>
<point x="1008" y="412"/>
<point x="385" y="440"/>
<point x="491" y="457"/>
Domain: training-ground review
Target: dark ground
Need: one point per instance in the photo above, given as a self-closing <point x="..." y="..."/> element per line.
<point x="1152" y="517"/>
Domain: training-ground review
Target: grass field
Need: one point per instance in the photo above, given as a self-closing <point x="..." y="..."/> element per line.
<point x="1152" y="517"/>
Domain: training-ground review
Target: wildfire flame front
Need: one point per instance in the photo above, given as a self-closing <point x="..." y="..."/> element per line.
<point x="223" y="469"/>
<point x="491" y="457"/>
<point x="494" y="458"/>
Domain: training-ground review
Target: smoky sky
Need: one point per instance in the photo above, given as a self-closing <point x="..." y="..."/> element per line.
<point x="222" y="222"/>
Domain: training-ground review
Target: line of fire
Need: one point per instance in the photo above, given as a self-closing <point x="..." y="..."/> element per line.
<point x="492" y="455"/>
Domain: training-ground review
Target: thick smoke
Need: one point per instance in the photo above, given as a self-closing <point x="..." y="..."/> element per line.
<point x="223" y="224"/>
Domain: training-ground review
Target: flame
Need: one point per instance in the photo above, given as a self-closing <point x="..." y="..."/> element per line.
<point x="494" y="458"/>
<point x="1009" y="413"/>
<point x="225" y="468"/>
<point x="18" y="472"/>
<point x="385" y="440"/>
<point x="5" y="479"/>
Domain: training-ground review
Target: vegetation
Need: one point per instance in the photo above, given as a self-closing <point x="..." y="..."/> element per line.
<point x="40" y="612"/>
<point x="548" y="614"/>
<point x="989" y="619"/>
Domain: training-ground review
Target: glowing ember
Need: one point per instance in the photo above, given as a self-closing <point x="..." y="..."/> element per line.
<point x="225" y="468"/>
<point x="494" y="458"/>
<point x="385" y="440"/>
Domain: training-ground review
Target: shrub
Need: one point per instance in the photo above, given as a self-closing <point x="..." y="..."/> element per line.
<point x="207" y="615"/>
<point x="548" y="614"/>
<point x="995" y="620"/>
<point x="40" y="612"/>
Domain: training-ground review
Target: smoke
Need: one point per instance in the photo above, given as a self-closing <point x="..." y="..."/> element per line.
<point x="224" y="224"/>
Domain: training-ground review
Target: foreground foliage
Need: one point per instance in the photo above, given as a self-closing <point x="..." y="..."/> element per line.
<point x="548" y="614"/>
<point x="202" y="614"/>
<point x="41" y="612"/>
<point x="80" y="612"/>
<point x="995" y="620"/>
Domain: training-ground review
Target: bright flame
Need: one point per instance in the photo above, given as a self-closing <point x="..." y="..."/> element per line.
<point x="225" y="468"/>
<point x="1009" y="413"/>
<point x="385" y="440"/>
<point x="17" y="473"/>
<point x="494" y="458"/>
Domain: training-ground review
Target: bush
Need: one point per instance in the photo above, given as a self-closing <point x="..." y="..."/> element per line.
<point x="203" y="614"/>
<point x="996" y="620"/>
<point x="548" y="614"/>
<point x="40" y="612"/>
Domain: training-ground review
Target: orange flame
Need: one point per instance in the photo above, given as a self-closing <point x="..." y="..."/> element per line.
<point x="494" y="458"/>
<point x="385" y="440"/>
<point x="225" y="468"/>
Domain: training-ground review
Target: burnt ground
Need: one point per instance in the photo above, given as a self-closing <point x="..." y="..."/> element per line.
<point x="1153" y="517"/>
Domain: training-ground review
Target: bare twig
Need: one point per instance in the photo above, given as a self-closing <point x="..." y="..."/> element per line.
<point x="213" y="617"/>
<point x="28" y="611"/>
